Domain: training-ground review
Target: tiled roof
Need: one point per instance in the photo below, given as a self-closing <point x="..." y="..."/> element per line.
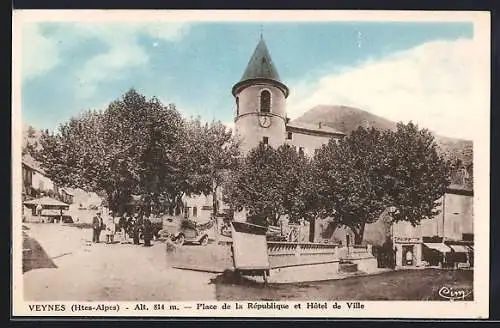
<point x="32" y="163"/>
<point x="313" y="128"/>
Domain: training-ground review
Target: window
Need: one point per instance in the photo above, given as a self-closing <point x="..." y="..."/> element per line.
<point x="237" y="106"/>
<point x="289" y="136"/>
<point x="265" y="101"/>
<point x="195" y="211"/>
<point x="186" y="212"/>
<point x="265" y="140"/>
<point x="301" y="151"/>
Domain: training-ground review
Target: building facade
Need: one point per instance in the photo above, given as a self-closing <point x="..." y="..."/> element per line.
<point x="34" y="179"/>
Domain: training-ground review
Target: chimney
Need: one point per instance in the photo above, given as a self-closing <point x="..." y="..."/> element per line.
<point x="319" y="125"/>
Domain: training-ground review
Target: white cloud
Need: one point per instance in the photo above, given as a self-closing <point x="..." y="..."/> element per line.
<point x="123" y="53"/>
<point x="438" y="85"/>
<point x="39" y="53"/>
<point x="122" y="50"/>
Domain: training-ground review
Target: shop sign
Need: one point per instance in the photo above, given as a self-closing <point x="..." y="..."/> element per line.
<point x="409" y="240"/>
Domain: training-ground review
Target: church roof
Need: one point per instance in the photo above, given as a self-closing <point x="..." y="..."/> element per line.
<point x="261" y="64"/>
<point x="260" y="68"/>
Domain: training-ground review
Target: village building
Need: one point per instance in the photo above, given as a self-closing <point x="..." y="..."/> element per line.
<point x="35" y="181"/>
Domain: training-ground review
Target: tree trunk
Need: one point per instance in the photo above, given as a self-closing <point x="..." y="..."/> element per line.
<point x="358" y="234"/>
<point x="215" y="208"/>
<point x="312" y="230"/>
<point x="215" y="211"/>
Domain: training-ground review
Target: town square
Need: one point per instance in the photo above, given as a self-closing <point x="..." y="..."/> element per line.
<point x="249" y="161"/>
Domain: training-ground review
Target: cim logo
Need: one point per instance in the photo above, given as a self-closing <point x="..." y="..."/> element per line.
<point x="454" y="294"/>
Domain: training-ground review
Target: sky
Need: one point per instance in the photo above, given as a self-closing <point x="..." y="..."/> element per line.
<point x="427" y="72"/>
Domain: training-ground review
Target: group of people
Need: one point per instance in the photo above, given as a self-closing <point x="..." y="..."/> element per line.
<point x="126" y="227"/>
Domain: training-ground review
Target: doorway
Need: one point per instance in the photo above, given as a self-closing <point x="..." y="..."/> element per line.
<point x="408" y="255"/>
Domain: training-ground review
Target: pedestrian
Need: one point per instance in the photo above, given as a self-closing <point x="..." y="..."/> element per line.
<point x="97" y="225"/>
<point x="147" y="231"/>
<point x="122" y="227"/>
<point x="130" y="227"/>
<point x="38" y="210"/>
<point x="136" y="229"/>
<point x="110" y="228"/>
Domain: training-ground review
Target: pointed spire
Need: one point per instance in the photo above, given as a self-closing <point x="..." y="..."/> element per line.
<point x="261" y="64"/>
<point x="261" y="67"/>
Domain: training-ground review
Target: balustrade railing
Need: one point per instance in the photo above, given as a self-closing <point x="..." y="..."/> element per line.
<point x="298" y="249"/>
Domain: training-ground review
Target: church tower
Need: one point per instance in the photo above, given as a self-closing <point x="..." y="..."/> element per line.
<point x="260" y="98"/>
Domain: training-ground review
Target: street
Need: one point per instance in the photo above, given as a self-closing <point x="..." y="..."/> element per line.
<point x="101" y="272"/>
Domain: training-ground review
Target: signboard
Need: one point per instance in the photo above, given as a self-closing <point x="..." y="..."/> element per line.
<point x="407" y="240"/>
<point x="249" y="246"/>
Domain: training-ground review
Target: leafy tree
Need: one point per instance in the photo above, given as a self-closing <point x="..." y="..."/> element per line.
<point x="417" y="174"/>
<point x="349" y="177"/>
<point x="369" y="171"/>
<point x="133" y="146"/>
<point x="269" y="183"/>
<point x="139" y="146"/>
<point x="211" y="151"/>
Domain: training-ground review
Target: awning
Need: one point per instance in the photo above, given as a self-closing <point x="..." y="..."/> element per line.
<point x="47" y="202"/>
<point x="439" y="247"/>
<point x="459" y="248"/>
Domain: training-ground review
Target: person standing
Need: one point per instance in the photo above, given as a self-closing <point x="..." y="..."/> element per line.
<point x="122" y="227"/>
<point x="110" y="228"/>
<point x="97" y="224"/>
<point x="136" y="229"/>
<point x="147" y="231"/>
<point x="38" y="211"/>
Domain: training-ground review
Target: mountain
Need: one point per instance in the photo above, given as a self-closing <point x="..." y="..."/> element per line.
<point x="347" y="119"/>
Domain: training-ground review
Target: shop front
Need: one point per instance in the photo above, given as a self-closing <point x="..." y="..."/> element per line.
<point x="462" y="254"/>
<point x="408" y="251"/>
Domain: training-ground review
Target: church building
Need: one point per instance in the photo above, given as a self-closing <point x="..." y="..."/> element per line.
<point x="261" y="114"/>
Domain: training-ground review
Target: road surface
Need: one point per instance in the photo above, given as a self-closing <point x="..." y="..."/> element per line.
<point x="100" y="272"/>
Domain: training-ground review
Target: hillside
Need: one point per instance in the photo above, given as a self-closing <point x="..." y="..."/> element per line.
<point x="347" y="119"/>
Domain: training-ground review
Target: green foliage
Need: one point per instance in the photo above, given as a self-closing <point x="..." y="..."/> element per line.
<point x="137" y="146"/>
<point x="269" y="183"/>
<point x="350" y="179"/>
<point x="210" y="152"/>
<point x="369" y="171"/>
<point x="418" y="174"/>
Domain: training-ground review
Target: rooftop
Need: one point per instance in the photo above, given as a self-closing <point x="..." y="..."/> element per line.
<point x="260" y="67"/>
<point x="318" y="129"/>
<point x="32" y="163"/>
